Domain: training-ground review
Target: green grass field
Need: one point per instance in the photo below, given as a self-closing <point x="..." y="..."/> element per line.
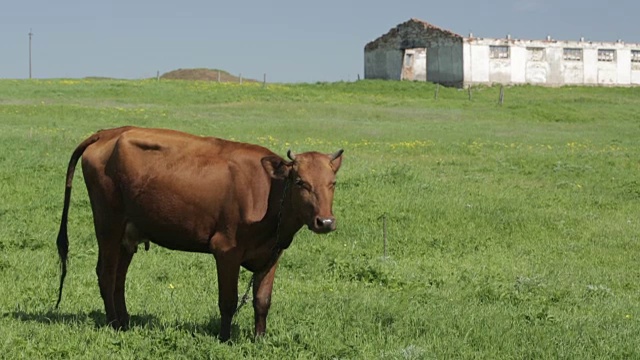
<point x="513" y="230"/>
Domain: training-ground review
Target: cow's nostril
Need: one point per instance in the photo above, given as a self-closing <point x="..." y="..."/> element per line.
<point x="324" y="223"/>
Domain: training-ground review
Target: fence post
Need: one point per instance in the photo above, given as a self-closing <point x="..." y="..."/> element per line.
<point x="240" y="78"/>
<point x="437" y="90"/>
<point x="470" y="93"/>
<point x="218" y="75"/>
<point x="384" y="234"/>
<point x="501" y="99"/>
<point x="264" y="80"/>
<point x="158" y="75"/>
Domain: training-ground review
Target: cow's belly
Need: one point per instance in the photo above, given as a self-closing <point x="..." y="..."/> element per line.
<point x="136" y="233"/>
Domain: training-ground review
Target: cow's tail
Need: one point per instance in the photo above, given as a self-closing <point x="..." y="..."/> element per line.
<point x="63" y="240"/>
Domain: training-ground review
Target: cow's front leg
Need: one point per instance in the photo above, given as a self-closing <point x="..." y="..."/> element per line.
<point x="228" y="271"/>
<point x="262" y="287"/>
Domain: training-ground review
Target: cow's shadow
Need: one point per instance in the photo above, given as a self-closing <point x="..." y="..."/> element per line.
<point x="147" y="321"/>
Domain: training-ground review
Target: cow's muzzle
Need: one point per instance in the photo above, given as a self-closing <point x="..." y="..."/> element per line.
<point x="323" y="225"/>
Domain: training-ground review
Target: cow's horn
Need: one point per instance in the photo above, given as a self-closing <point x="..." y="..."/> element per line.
<point x="336" y="154"/>
<point x="291" y="155"/>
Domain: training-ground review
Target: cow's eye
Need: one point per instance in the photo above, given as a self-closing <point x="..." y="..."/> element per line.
<point x="299" y="182"/>
<point x="333" y="184"/>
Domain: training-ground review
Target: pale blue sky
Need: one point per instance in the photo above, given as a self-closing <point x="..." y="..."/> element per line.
<point x="290" y="41"/>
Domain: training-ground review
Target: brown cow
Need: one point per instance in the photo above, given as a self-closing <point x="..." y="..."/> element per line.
<point x="240" y="202"/>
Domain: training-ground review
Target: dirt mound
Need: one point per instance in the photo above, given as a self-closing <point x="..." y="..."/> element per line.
<point x="203" y="75"/>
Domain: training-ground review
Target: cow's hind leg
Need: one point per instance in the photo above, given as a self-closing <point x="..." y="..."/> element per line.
<point x="109" y="251"/>
<point x="129" y="245"/>
<point x="121" y="276"/>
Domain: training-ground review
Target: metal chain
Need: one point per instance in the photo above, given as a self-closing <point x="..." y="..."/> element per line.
<point x="274" y="255"/>
<point x="245" y="297"/>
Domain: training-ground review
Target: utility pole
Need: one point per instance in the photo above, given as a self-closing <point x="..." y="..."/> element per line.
<point x="30" y="35"/>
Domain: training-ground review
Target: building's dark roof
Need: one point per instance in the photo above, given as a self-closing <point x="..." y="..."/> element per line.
<point x="412" y="22"/>
<point x="433" y="27"/>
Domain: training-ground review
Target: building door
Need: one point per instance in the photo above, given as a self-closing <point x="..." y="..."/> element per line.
<point x="537" y="66"/>
<point x="414" y="64"/>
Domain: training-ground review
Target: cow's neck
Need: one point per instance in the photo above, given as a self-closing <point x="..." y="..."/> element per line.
<point x="288" y="223"/>
<point x="281" y="224"/>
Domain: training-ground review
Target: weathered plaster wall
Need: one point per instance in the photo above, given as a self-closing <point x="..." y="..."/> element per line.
<point x="476" y="64"/>
<point x="635" y="76"/>
<point x="544" y="62"/>
<point x="519" y="56"/>
<point x="624" y="74"/>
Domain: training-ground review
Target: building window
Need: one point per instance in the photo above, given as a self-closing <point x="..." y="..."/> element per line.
<point x="408" y="60"/>
<point x="498" y="52"/>
<point x="572" y="54"/>
<point x="635" y="56"/>
<point x="535" y="53"/>
<point x="607" y="55"/>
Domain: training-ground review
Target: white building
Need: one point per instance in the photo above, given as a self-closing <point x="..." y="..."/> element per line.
<point x="416" y="50"/>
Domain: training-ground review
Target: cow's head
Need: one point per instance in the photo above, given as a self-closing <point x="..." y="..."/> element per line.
<point x="312" y="180"/>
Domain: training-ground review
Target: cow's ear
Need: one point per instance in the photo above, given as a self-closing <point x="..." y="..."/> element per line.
<point x="276" y="167"/>
<point x="336" y="160"/>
